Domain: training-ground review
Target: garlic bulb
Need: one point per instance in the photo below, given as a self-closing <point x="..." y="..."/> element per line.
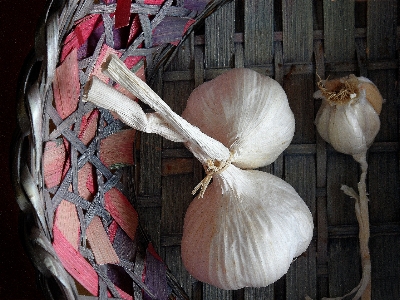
<point x="245" y="231"/>
<point x="247" y="112"/>
<point x="348" y="118"/>
<point x="250" y="225"/>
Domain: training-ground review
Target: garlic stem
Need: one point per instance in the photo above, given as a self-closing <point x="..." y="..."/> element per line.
<point x="364" y="233"/>
<point x="363" y="289"/>
<point x="207" y="146"/>
<point x="129" y="111"/>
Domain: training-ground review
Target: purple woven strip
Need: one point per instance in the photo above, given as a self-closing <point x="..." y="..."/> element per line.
<point x="196" y="5"/>
<point x="169" y="30"/>
<point x="156" y="277"/>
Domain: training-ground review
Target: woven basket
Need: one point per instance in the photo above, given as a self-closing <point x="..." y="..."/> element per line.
<point x="289" y="40"/>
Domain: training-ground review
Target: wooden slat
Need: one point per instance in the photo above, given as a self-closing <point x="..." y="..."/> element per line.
<point x="385" y="267"/>
<point x="174" y="263"/>
<point x="300" y="89"/>
<point x="297" y="30"/>
<point x="258" y="32"/>
<point x="384" y="175"/>
<point x="301" y="280"/>
<point x="219" y="33"/>
<point x="381" y="29"/>
<point x="344" y="267"/>
<point x="339" y="43"/>
<point x="266" y="293"/>
<point x="341" y="169"/>
<point x="212" y="293"/>
<point x="177" y="182"/>
<point x="383" y="190"/>
<point x="149" y="185"/>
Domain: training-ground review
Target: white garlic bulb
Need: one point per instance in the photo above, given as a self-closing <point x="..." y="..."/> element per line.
<point x="348" y="118"/>
<point x="245" y="231"/>
<point x="247" y="112"/>
<point x="250" y="225"/>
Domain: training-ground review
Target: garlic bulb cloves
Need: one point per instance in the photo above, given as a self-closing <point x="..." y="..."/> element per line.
<point x="247" y="112"/>
<point x="348" y="118"/>
<point x="245" y="231"/>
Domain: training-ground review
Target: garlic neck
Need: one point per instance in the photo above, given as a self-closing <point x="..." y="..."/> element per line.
<point x="340" y="91"/>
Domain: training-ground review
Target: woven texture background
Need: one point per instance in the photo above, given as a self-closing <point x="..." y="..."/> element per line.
<point x="291" y="41"/>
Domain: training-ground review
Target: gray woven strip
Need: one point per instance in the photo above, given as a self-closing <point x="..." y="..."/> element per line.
<point x="93" y="58"/>
<point x="58" y="197"/>
<point x="146" y="27"/>
<point x="66" y="123"/>
<point x="49" y="208"/>
<point x="74" y="140"/>
<point x="157" y="20"/>
<point x="108" y="29"/>
<point x="102" y="285"/>
<point x="113" y="181"/>
<point x="136" y="8"/>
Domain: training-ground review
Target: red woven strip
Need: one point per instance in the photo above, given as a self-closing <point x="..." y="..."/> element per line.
<point x="80" y="34"/>
<point x="66" y="92"/>
<point x="78" y="267"/>
<point x="75" y="263"/>
<point x="54" y="160"/>
<point x="66" y="219"/>
<point x="134" y="30"/>
<point x="100" y="244"/>
<point x="122" y="13"/>
<point x="122" y="212"/>
<point x="117" y="149"/>
<point x="112" y="230"/>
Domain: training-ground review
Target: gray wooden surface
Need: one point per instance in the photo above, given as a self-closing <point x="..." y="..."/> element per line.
<point x="291" y="41"/>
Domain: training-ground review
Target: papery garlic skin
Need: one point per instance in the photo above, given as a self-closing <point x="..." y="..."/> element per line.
<point x="350" y="127"/>
<point x="246" y="230"/>
<point x="247" y="112"/>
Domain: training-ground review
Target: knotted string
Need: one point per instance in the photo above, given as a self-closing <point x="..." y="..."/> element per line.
<point x="213" y="167"/>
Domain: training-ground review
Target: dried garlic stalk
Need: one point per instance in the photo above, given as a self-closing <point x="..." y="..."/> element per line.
<point x="349" y="120"/>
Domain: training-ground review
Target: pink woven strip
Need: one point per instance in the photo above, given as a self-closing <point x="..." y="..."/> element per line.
<point x="122" y="13"/>
<point x="80" y="34"/>
<point x="83" y="177"/>
<point x="154" y="2"/>
<point x="117" y="149"/>
<point x="122" y="211"/>
<point x="88" y="126"/>
<point x="54" y="159"/>
<point x="78" y="267"/>
<point x="100" y="244"/>
<point x="66" y="219"/>
<point x="112" y="230"/>
<point x="66" y="92"/>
